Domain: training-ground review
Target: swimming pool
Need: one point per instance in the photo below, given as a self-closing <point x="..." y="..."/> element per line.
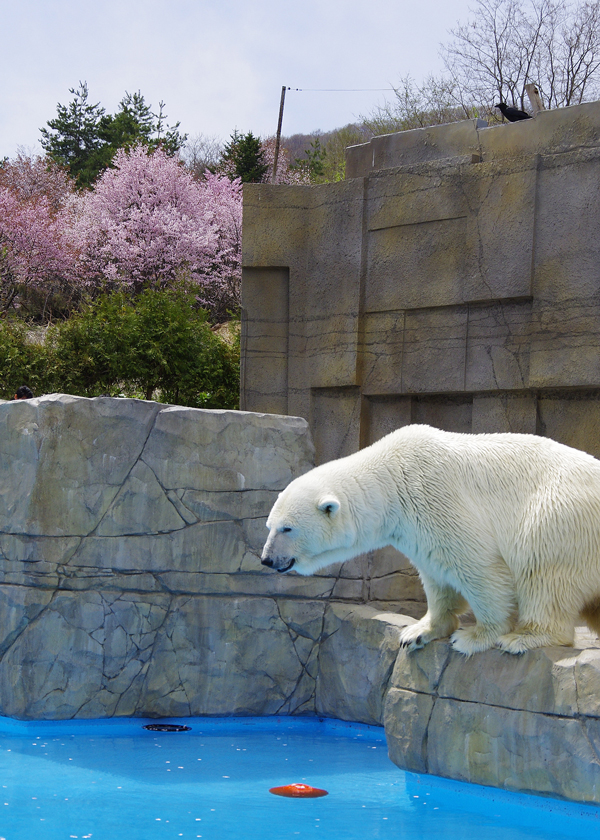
<point x="107" y="780"/>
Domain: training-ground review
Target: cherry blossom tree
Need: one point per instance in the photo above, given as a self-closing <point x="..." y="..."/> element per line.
<point x="31" y="176"/>
<point x="36" y="261"/>
<point x="34" y="252"/>
<point x="148" y="223"/>
<point x="221" y="282"/>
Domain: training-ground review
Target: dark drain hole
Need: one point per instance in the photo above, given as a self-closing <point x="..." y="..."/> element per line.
<point x="167" y="727"/>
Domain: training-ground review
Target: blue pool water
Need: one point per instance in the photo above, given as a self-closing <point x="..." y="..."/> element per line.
<point x="113" y="780"/>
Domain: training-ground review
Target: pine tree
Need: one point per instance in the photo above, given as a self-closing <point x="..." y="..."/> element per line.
<point x="244" y="158"/>
<point x="84" y="138"/>
<point x="73" y="139"/>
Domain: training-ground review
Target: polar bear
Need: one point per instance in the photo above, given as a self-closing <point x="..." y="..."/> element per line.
<point x="506" y="524"/>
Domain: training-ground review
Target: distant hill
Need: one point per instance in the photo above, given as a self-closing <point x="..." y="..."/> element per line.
<point x="297" y="144"/>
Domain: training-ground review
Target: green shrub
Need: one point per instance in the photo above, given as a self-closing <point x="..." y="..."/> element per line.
<point x="157" y="345"/>
<point x="22" y="362"/>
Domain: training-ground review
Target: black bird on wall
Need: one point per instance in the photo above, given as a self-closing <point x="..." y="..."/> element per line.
<point x="512" y="114"/>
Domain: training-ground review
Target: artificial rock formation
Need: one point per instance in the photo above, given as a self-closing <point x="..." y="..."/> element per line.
<point x="130" y="580"/>
<point x="529" y="723"/>
<point x="130" y="576"/>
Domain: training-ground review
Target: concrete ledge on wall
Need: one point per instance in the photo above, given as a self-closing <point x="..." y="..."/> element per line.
<point x="529" y="723"/>
<point x="419" y="145"/>
<point x="473" y="141"/>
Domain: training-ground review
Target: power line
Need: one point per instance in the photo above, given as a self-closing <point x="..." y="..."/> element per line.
<point x="340" y="90"/>
<point x="308" y="90"/>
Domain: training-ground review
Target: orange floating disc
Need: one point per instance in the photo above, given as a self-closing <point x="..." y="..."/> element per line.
<point x="298" y="790"/>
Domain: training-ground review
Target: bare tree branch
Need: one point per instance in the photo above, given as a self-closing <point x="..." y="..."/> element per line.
<point x="508" y="44"/>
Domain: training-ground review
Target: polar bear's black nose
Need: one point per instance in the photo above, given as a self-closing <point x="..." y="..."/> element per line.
<point x="266" y="561"/>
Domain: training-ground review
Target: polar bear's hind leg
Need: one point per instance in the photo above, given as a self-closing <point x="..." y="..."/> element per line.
<point x="530" y="636"/>
<point x="591" y="615"/>
<point x="548" y="610"/>
<point x="490" y="589"/>
<point x="555" y="627"/>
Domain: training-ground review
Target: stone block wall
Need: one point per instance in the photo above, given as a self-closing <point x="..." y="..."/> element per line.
<point x="452" y="279"/>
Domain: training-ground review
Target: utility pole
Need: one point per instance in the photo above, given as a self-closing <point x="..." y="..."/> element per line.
<point x="278" y="137"/>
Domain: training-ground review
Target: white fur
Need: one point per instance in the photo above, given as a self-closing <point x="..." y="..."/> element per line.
<point x="508" y="524"/>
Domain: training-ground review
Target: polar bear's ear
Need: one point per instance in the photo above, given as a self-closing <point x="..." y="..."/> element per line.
<point x="329" y="505"/>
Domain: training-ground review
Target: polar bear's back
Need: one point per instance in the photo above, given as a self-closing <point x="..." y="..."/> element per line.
<point x="483" y="462"/>
<point x="527" y="459"/>
<point x="498" y="477"/>
<point x="523" y="487"/>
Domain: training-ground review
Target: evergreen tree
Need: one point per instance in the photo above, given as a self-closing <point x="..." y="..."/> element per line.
<point x="73" y="138"/>
<point x="132" y="125"/>
<point x="85" y="139"/>
<point x="244" y="158"/>
<point x="313" y="162"/>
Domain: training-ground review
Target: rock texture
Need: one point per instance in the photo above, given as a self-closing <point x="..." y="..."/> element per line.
<point x="528" y="723"/>
<point x="130" y="581"/>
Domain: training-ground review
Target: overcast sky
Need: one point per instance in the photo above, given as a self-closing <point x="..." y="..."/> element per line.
<point x="217" y="64"/>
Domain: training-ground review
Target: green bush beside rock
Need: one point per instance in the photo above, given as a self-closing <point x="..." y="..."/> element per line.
<point x="158" y="345"/>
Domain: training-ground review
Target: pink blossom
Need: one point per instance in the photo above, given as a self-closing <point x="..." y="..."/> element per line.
<point x="148" y="222"/>
<point x="32" y="176"/>
<point x="33" y="250"/>
<point x="221" y="281"/>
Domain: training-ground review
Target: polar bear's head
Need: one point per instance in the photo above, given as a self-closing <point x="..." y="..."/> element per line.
<point x="310" y="526"/>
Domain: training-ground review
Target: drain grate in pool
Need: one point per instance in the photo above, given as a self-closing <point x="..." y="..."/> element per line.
<point x="167" y="727"/>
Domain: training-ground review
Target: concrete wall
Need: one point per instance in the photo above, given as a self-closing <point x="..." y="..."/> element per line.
<point x="453" y="279"/>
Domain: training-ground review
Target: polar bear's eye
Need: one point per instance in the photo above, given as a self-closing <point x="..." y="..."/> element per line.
<point x="286" y="529"/>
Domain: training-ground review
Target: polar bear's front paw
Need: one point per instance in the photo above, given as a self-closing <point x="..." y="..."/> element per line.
<point x="415" y="636"/>
<point x="513" y="643"/>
